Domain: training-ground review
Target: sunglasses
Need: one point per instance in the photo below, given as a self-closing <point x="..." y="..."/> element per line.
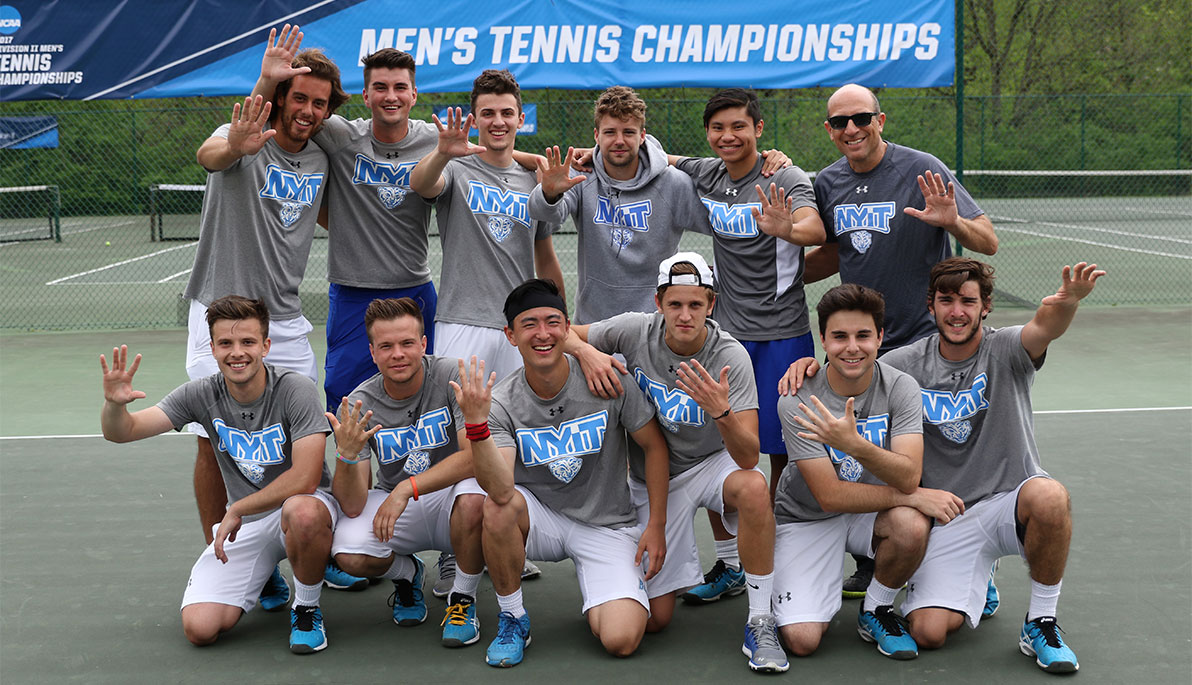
<point x="861" y="119"/>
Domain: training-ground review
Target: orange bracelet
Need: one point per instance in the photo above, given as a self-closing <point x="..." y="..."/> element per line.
<point x="415" y="486"/>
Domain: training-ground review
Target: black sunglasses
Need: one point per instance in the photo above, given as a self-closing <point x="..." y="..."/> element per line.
<point x="861" y="119"/>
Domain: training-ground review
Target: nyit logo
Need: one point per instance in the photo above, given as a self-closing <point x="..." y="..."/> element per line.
<point x="561" y="449"/>
<point x="675" y="407"/>
<point x="430" y="431"/>
<point x="252" y="451"/>
<point x="290" y="186"/>
<point x="941" y="406"/>
<point x="868" y="216"/>
<point x="874" y="429"/>
<point x="485" y="199"/>
<point x="635" y="215"/>
<point x="732" y="221"/>
<point x="370" y="172"/>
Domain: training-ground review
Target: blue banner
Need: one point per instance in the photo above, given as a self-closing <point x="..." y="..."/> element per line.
<point x="25" y="133"/>
<point x="142" y="48"/>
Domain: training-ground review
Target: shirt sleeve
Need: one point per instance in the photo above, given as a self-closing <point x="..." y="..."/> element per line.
<point x="304" y="411"/>
<point x="635" y="412"/>
<point x="742" y="386"/>
<point x="610" y="336"/>
<point x="179" y="405"/>
<point x="906" y="407"/>
<point x="797" y="448"/>
<point x="798" y="187"/>
<point x="500" y="425"/>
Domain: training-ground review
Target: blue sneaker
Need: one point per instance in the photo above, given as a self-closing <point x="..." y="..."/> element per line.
<point x="306" y="630"/>
<point x="513" y="636"/>
<point x="992" y="598"/>
<point x="460" y="625"/>
<point x="1041" y="639"/>
<point x="889" y="630"/>
<point x="721" y="581"/>
<point x="336" y="578"/>
<point x="409" y="609"/>
<point x="276" y="593"/>
<point x="762" y="647"/>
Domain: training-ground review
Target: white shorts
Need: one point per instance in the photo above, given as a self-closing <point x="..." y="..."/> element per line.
<point x="809" y="565"/>
<point x="490" y="344"/>
<point x="603" y="556"/>
<point x="259" y="545"/>
<point x="289" y="348"/>
<point x="425" y="524"/>
<point x="700" y="486"/>
<point x="954" y="573"/>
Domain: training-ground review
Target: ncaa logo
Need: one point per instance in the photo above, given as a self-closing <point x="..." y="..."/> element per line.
<point x="10" y="20"/>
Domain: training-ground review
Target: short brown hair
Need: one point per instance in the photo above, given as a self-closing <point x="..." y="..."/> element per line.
<point x="496" y="82"/>
<point x="238" y="308"/>
<point x="951" y="274"/>
<point x="620" y="102"/>
<point x="685" y="268"/>
<point x="389" y="309"/>
<point x="388" y="58"/>
<point x="850" y="297"/>
<point x="321" y="67"/>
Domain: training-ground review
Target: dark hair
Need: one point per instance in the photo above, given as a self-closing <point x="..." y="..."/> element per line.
<point x="321" y="67"/>
<point x="850" y="297"/>
<point x="496" y="82"/>
<point x="536" y="292"/>
<point x="238" y="308"/>
<point x="619" y="102"/>
<point x="733" y="97"/>
<point x="391" y="308"/>
<point x="949" y="275"/>
<point x="388" y="58"/>
<point x="685" y="268"/>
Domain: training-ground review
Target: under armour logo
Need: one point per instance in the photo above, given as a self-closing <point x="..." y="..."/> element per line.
<point x="296" y="165"/>
<point x="556" y="410"/>
<point x="731" y="191"/>
<point x="247" y="415"/>
<point x="391" y="155"/>
<point x="958" y="375"/>
<point x="410" y="414"/>
<point x="671" y="368"/>
<point x="783" y="597"/>
<point x="862" y="189"/>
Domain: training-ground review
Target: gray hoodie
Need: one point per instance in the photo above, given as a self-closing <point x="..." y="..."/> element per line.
<point x="626" y="228"/>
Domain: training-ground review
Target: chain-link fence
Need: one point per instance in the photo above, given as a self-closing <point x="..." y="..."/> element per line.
<point x="82" y="224"/>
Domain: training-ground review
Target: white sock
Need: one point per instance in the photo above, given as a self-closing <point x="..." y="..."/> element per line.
<point x="759" y="589"/>
<point x="726" y="551"/>
<point x="306" y="595"/>
<point x="512" y="603"/>
<point x="878" y="595"/>
<point x="402" y="568"/>
<point x="466" y="583"/>
<point x="1044" y="599"/>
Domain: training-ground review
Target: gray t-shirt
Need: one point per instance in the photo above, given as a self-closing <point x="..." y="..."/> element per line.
<point x="488" y="239"/>
<point x="257" y="225"/>
<point x="252" y="441"/>
<point x="889" y="407"/>
<point x="571" y="447"/>
<point x="419" y="431"/>
<point x="690" y="433"/>
<point x="881" y="247"/>
<point x="760" y="277"/>
<point x="377" y="226"/>
<point x="979" y="430"/>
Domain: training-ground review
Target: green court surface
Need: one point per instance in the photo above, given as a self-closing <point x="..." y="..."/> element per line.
<point x="96" y="541"/>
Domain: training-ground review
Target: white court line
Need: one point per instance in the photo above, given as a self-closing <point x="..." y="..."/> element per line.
<point x="1093" y="242"/>
<point x="1081" y="227"/>
<point x="85" y="230"/>
<point x="121" y="263"/>
<point x="171" y="277"/>
<point x="1055" y="411"/>
<point x="1156" y="211"/>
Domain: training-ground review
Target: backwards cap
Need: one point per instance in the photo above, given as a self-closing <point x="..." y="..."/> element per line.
<point x="704" y="277"/>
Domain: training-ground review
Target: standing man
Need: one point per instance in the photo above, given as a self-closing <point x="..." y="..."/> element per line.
<point x="264" y="189"/>
<point x="711" y="432"/>
<point x="890" y="213"/>
<point x="856" y="445"/>
<point x="271" y="442"/>
<point x="425" y="496"/>
<point x="629" y="214"/>
<point x="976" y="384"/>
<point x="758" y="241"/>
<point x="490" y="243"/>
<point x="554" y="468"/>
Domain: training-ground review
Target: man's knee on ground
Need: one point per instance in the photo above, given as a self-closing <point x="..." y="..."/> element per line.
<point x="930" y="627"/>
<point x="662" y="612"/>
<point x="358" y="564"/>
<point x="202" y="623"/>
<point x="621" y="640"/>
<point x="802" y="639"/>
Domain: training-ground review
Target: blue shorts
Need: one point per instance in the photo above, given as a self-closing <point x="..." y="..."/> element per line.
<point x="771" y="359"/>
<point x="349" y="362"/>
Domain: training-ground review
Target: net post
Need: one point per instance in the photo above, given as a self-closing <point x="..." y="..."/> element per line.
<point x="56" y="208"/>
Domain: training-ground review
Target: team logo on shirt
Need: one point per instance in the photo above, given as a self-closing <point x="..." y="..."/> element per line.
<point x="675" y="407"/>
<point x="413" y="442"/>
<point x="859" y="220"/>
<point x="561" y="449"/>
<point x="391" y="196"/>
<point x="295" y="191"/>
<point x="951" y="412"/>
<point x="392" y="180"/>
<point x="732" y="221"/>
<point x="622" y="220"/>
<point x="252" y="451"/>
<point x="505" y="208"/>
<point x="874" y="429"/>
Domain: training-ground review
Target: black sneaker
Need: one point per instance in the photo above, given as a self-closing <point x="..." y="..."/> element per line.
<point x="856" y="584"/>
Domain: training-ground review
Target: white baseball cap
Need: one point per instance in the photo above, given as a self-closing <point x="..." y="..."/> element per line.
<point x="702" y="277"/>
